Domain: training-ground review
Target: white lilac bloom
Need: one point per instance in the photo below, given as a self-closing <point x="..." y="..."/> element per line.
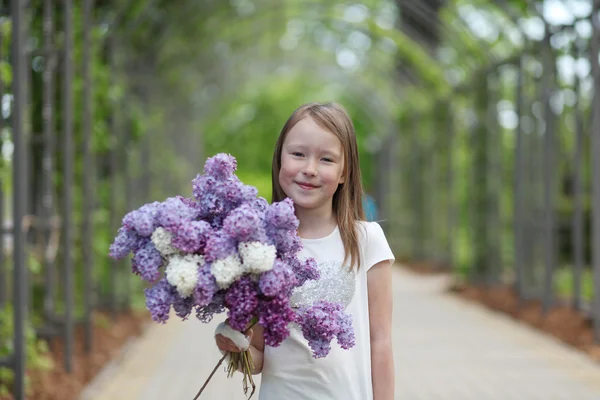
<point x="257" y="257"/>
<point x="182" y="273"/>
<point x="162" y="241"/>
<point x="226" y="270"/>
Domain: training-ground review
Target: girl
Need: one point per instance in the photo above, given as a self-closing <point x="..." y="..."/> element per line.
<point x="316" y="164"/>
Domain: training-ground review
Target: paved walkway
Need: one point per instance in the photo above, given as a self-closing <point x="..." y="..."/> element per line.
<point x="445" y="348"/>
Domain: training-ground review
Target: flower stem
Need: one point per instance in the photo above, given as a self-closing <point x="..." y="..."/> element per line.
<point x="237" y="361"/>
<point x="210" y="376"/>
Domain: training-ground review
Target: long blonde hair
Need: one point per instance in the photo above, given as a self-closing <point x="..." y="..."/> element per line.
<point x="347" y="200"/>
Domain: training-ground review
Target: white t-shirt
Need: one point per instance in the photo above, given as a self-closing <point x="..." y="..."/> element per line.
<point x="289" y="370"/>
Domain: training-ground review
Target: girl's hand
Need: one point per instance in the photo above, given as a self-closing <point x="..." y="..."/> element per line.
<point x="226" y="344"/>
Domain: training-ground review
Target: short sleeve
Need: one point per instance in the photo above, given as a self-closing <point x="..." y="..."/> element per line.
<point x="376" y="247"/>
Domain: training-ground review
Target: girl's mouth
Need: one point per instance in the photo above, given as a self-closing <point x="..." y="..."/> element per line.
<point x="306" y="186"/>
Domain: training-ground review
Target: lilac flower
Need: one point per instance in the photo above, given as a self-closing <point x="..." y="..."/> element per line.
<point x="219" y="245"/>
<point x="227" y="249"/>
<point x="275" y="315"/>
<point x="257" y="257"/>
<point x="321" y="323"/>
<point x="216" y="197"/>
<point x="147" y="262"/>
<point x="281" y="215"/>
<point x="182" y="273"/>
<point x="244" y="224"/>
<point x="124" y="242"/>
<point x="281" y="279"/>
<point x="206" y="288"/>
<point x="182" y="306"/>
<point x="345" y="336"/>
<point x="303" y="270"/>
<point x="191" y="237"/>
<point x="241" y="299"/>
<point x="287" y="242"/>
<point x="173" y="212"/>
<point x="191" y="203"/>
<point x="139" y="221"/>
<point x="260" y="205"/>
<point x="162" y="240"/>
<point x="220" y="166"/>
<point x="151" y="208"/>
<point x="249" y="193"/>
<point x="159" y="299"/>
<point x="216" y="306"/>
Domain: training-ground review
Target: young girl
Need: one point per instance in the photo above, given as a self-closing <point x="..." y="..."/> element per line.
<point x="316" y="164"/>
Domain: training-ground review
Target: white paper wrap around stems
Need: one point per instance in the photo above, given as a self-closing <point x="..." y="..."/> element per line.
<point x="237" y="337"/>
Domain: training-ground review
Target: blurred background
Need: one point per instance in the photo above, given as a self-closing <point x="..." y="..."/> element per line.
<point x="479" y="145"/>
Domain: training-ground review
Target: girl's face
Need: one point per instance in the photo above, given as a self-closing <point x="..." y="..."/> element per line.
<point x="312" y="165"/>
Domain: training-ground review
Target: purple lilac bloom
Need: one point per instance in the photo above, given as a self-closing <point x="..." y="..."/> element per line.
<point x="206" y="288"/>
<point x="287" y="242"/>
<point x="274" y="315"/>
<point x="182" y="306"/>
<point x="220" y="166"/>
<point x="209" y="203"/>
<point x="158" y="301"/>
<point x="260" y="204"/>
<point x="241" y="299"/>
<point x="281" y="279"/>
<point x="244" y="224"/>
<point x="345" y="336"/>
<point x="216" y="306"/>
<point x="173" y="212"/>
<point x="249" y="193"/>
<point x="305" y="270"/>
<point x="231" y="192"/>
<point x="191" y="203"/>
<point x="191" y="237"/>
<point x="219" y="245"/>
<point x="321" y="323"/>
<point x="147" y="261"/>
<point x="142" y="222"/>
<point x="124" y="242"/>
<point x="151" y="208"/>
<point x="281" y="215"/>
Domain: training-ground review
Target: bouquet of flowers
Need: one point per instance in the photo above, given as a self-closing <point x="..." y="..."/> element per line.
<point x="226" y="249"/>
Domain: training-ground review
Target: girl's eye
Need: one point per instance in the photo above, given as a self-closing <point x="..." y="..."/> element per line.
<point x="297" y="154"/>
<point x="327" y="160"/>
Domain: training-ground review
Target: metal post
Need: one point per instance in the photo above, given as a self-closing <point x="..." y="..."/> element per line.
<point x="519" y="172"/>
<point x="68" y="182"/>
<point x="450" y="175"/>
<point x="549" y="172"/>
<point x="578" y="229"/>
<point x="48" y="151"/>
<point x="89" y="177"/>
<point x="114" y="176"/>
<point x="595" y="148"/>
<point x="128" y="181"/>
<point x="3" y="274"/>
<point x="20" y="136"/>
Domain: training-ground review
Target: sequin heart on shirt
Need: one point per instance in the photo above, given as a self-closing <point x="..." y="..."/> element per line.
<point x="337" y="284"/>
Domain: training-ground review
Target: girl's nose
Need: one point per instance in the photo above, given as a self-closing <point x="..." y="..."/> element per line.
<point x="310" y="168"/>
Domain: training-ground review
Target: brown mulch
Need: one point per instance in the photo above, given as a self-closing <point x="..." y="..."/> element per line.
<point x="108" y="340"/>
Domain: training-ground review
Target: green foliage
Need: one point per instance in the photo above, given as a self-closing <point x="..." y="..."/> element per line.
<point x="37" y="352"/>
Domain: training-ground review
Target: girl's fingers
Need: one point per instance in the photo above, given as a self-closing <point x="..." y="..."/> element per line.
<point x="226" y="344"/>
